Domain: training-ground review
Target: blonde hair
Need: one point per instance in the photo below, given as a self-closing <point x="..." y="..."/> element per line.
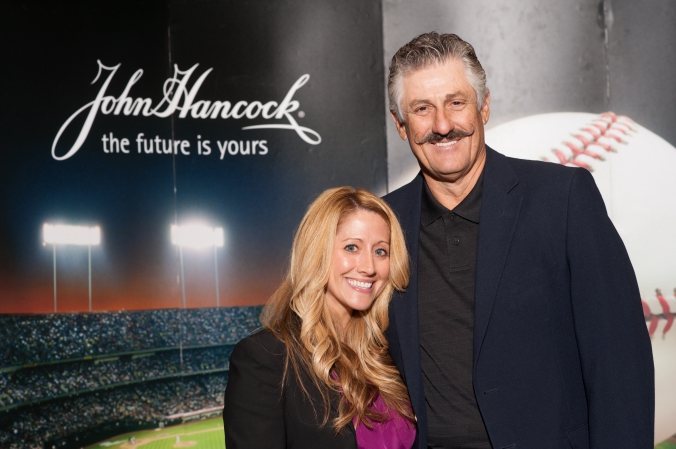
<point x="357" y="365"/>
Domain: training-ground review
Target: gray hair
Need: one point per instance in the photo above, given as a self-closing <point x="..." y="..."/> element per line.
<point x="429" y="49"/>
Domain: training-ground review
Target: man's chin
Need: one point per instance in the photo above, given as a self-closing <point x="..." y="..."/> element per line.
<point x="445" y="174"/>
<point x="451" y="172"/>
<point x="451" y="165"/>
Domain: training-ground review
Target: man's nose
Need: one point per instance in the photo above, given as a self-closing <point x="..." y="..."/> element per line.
<point x="443" y="123"/>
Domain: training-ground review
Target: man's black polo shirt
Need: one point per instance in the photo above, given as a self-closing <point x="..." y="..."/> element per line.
<point x="446" y="273"/>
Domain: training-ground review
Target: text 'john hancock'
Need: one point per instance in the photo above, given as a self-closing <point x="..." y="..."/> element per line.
<point x="177" y="97"/>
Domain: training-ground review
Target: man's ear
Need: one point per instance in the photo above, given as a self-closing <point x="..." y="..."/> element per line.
<point x="401" y="128"/>
<point x="485" y="109"/>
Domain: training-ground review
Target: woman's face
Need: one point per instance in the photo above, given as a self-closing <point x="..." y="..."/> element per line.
<point x="360" y="264"/>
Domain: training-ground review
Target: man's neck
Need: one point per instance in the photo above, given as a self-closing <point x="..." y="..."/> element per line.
<point x="450" y="193"/>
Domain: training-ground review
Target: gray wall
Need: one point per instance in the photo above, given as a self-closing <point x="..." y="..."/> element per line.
<point x="643" y="64"/>
<point x="549" y="56"/>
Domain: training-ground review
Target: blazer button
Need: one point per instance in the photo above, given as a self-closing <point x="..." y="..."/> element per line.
<point x="456" y="241"/>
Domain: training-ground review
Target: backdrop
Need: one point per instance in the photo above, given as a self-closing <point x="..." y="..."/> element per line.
<point x="131" y="117"/>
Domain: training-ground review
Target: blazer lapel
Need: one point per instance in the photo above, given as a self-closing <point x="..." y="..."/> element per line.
<point x="499" y="215"/>
<point x="404" y="305"/>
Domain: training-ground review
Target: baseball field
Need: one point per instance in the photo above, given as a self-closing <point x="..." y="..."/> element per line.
<point x="667" y="444"/>
<point x="207" y="434"/>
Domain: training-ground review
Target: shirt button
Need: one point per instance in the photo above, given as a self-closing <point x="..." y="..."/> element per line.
<point x="452" y="216"/>
<point x="456" y="241"/>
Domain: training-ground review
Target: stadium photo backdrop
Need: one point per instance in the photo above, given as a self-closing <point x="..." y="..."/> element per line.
<point x="156" y="160"/>
<point x="225" y="119"/>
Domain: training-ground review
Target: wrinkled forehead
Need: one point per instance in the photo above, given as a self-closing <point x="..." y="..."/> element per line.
<point x="452" y="74"/>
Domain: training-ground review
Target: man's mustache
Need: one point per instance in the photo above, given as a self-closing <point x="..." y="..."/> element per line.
<point x="452" y="134"/>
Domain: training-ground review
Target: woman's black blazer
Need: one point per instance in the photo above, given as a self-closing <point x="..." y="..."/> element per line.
<point x="259" y="413"/>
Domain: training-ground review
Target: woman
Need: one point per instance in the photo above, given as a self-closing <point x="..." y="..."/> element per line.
<point x="319" y="374"/>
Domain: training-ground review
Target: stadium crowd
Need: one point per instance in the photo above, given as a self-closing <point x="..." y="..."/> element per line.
<point x="54" y="337"/>
<point x="51" y="381"/>
<point x="149" y="402"/>
<point x="71" y="373"/>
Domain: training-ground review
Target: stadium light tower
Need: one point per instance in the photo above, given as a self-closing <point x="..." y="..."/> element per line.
<point x="197" y="236"/>
<point x="71" y="235"/>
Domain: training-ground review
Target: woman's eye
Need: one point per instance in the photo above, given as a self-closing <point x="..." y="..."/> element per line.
<point x="351" y="248"/>
<point x="381" y="252"/>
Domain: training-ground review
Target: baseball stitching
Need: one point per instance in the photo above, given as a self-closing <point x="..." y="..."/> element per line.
<point x="653" y="318"/>
<point x="595" y="140"/>
<point x="599" y="136"/>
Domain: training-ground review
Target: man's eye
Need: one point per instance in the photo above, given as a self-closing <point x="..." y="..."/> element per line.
<point x="351" y="248"/>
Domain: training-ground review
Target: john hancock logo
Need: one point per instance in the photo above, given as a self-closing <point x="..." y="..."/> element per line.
<point x="178" y="98"/>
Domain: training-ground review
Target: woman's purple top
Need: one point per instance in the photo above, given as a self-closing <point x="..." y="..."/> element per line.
<point x="395" y="433"/>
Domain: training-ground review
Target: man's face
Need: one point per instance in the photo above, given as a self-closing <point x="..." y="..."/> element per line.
<point x="442" y="124"/>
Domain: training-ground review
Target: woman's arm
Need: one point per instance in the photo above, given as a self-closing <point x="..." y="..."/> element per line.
<point x="253" y="412"/>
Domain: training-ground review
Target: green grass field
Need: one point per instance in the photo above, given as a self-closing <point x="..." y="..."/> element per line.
<point x="206" y="434"/>
<point x="667" y="444"/>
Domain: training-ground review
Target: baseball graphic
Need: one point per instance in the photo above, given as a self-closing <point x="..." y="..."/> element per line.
<point x="634" y="170"/>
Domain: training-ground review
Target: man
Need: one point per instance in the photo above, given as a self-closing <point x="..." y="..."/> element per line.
<point x="522" y="324"/>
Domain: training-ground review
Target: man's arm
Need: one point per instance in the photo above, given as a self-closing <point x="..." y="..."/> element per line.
<point x="613" y="341"/>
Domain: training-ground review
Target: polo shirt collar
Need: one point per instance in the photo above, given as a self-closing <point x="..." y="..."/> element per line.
<point x="469" y="208"/>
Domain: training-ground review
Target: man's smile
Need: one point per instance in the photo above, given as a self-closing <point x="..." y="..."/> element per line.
<point x="445" y="144"/>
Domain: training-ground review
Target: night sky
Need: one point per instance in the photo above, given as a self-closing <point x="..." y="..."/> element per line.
<point x="257" y="52"/>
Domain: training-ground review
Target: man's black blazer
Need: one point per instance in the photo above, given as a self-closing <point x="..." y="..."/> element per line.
<point x="258" y="413"/>
<point x="562" y="357"/>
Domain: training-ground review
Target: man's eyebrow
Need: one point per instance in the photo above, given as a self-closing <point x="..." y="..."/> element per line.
<point x="451" y="96"/>
<point x="454" y="95"/>
<point x="417" y="102"/>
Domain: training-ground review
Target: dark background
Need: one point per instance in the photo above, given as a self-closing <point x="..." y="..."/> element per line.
<point x="257" y="50"/>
